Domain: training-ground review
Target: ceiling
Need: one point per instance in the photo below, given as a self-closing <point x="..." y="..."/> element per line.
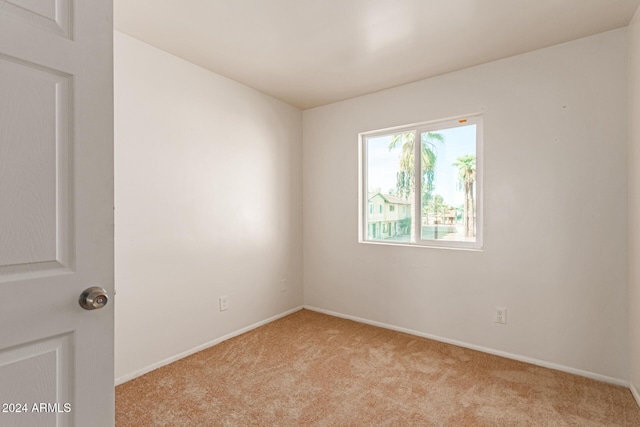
<point x="314" y="52"/>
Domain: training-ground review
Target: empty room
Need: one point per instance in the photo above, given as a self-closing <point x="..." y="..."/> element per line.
<point x="331" y="213"/>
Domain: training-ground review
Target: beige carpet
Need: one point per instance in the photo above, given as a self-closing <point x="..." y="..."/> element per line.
<point x="313" y="369"/>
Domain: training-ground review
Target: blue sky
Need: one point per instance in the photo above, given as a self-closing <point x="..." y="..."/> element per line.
<point x="383" y="164"/>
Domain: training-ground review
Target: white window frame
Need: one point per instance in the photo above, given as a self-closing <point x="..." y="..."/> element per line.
<point x="418" y="128"/>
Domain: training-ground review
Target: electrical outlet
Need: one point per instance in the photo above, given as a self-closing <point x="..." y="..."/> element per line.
<point x="224" y="303"/>
<point x="283" y="285"/>
<point x="501" y="315"/>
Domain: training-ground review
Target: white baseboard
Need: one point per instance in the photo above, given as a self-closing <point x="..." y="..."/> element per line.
<point x="505" y="354"/>
<point x="635" y="393"/>
<point x="154" y="366"/>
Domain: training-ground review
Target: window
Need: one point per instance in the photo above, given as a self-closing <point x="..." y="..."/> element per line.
<point x="446" y="156"/>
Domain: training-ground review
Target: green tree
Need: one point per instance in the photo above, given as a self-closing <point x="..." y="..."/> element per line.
<point x="467" y="175"/>
<point x="432" y="206"/>
<point x="405" y="176"/>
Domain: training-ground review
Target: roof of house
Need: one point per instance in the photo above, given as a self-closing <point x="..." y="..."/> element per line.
<point x="389" y="198"/>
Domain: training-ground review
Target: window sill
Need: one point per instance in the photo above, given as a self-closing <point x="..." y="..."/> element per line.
<point x="474" y="248"/>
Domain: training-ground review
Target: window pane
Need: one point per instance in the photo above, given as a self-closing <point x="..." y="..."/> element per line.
<point x="448" y="199"/>
<point x="390" y="187"/>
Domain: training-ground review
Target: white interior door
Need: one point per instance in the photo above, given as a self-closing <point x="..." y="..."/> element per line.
<point x="56" y="212"/>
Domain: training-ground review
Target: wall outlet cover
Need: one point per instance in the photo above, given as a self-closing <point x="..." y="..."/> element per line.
<point x="500" y="315"/>
<point x="224" y="303"/>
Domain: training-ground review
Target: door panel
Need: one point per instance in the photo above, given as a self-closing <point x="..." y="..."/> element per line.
<point x="51" y="15"/>
<point x="40" y="367"/>
<point x="56" y="212"/>
<point x="34" y="175"/>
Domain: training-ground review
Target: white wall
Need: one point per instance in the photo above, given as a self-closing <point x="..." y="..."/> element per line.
<point x="208" y="203"/>
<point x="634" y="203"/>
<point x="555" y="210"/>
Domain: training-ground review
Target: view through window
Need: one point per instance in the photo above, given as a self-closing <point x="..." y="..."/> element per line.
<point x="444" y="157"/>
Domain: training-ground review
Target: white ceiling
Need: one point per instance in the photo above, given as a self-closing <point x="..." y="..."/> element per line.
<point x="314" y="52"/>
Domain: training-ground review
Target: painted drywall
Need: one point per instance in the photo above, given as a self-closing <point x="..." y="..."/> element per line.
<point x="634" y="204"/>
<point x="554" y="210"/>
<point x="208" y="203"/>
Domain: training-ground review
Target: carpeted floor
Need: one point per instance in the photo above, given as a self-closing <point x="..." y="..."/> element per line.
<point x="313" y="369"/>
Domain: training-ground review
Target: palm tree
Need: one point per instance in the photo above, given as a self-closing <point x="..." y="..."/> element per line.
<point x="405" y="176"/>
<point x="467" y="175"/>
